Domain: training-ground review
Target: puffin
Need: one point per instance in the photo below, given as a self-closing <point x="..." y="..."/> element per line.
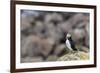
<point x="70" y="44"/>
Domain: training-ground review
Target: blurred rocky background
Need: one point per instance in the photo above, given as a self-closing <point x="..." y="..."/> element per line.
<point x="43" y="35"/>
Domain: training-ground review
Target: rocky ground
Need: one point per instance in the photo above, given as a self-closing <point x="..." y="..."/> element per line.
<point x="43" y="35"/>
<point x="80" y="55"/>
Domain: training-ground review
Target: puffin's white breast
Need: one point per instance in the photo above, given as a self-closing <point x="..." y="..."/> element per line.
<point x="68" y="44"/>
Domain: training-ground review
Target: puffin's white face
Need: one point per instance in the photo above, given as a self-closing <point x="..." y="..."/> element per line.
<point x="68" y="35"/>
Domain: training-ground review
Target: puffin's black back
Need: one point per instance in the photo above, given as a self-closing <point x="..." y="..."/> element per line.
<point x="72" y="44"/>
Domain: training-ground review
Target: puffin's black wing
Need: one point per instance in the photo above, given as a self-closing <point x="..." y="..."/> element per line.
<point x="72" y="44"/>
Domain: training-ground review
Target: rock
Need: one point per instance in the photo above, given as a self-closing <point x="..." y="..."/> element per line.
<point x="87" y="28"/>
<point x="59" y="49"/>
<point x="34" y="46"/>
<point x="77" y="18"/>
<point x="74" y="56"/>
<point x="31" y="59"/>
<point x="31" y="46"/>
<point x="53" y="17"/>
<point x="52" y="58"/>
<point x="46" y="46"/>
<point x="79" y="33"/>
<point x="25" y="21"/>
<point x="40" y="29"/>
<point x="83" y="55"/>
<point x="52" y="30"/>
<point x="85" y="49"/>
<point x="30" y="13"/>
<point x="65" y="26"/>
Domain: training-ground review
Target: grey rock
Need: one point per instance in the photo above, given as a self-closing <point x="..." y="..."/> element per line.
<point x="31" y="59"/>
<point x="59" y="49"/>
<point x="74" y="56"/>
<point x="52" y="58"/>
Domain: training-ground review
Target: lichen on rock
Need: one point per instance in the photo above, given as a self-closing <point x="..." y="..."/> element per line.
<point x="74" y="56"/>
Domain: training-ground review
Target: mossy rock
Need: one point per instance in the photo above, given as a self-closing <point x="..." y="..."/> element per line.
<point x="74" y="56"/>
